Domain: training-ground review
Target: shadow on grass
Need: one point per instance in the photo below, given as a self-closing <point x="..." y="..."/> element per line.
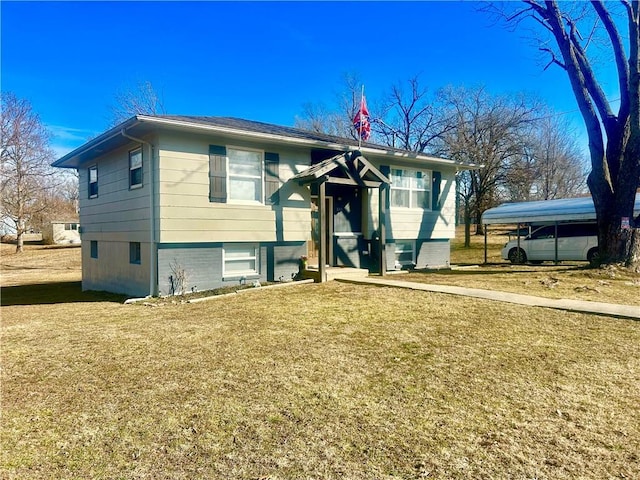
<point x="50" y="293"/>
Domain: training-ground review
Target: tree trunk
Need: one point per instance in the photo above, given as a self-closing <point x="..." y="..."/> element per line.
<point x="19" y="242"/>
<point x="619" y="246"/>
<point x="633" y="259"/>
<point x="19" y="237"/>
<point x="617" y="228"/>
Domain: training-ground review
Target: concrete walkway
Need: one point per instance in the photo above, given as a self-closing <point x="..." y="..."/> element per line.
<point x="583" y="306"/>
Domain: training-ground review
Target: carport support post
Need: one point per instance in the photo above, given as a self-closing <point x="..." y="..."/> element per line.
<point x="555" y="236"/>
<point x="485" y="243"/>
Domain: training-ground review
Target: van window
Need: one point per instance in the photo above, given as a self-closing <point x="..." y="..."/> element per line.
<point x="544" y="232"/>
<point x="577" y="230"/>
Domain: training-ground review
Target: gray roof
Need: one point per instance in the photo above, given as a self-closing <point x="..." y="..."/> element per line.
<point x="141" y="125"/>
<point x="268" y="128"/>
<point x="543" y="211"/>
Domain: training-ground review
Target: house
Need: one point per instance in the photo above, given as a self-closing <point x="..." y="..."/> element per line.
<point x="60" y="232"/>
<point x="213" y="201"/>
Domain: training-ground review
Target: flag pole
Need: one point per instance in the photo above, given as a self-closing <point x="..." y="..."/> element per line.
<point x="360" y="127"/>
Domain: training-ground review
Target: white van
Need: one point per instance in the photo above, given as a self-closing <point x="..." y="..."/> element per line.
<point x="576" y="241"/>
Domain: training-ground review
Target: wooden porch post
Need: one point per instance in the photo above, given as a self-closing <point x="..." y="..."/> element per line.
<point x="322" y="220"/>
<point x="382" y="215"/>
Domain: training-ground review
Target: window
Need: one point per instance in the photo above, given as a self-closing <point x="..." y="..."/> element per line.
<point x="245" y="175"/>
<point x="94" y="248"/>
<point x="70" y="226"/>
<point x="135" y="168"/>
<point x="134" y="253"/>
<point x="404" y="253"/>
<point x="410" y="188"/>
<point x="544" y="233"/>
<point x="93" y="181"/>
<point x="240" y="259"/>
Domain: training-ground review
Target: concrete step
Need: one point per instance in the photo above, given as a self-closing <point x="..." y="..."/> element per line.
<point x="336" y="272"/>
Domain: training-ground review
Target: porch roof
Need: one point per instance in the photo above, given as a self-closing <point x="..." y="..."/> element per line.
<point x="348" y="168"/>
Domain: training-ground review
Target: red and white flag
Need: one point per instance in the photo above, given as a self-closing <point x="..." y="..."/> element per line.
<point x="361" y="121"/>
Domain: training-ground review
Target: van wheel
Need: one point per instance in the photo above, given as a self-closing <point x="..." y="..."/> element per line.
<point x="593" y="256"/>
<point x="517" y="256"/>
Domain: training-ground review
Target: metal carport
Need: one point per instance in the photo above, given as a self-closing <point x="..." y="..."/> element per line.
<point x="543" y="212"/>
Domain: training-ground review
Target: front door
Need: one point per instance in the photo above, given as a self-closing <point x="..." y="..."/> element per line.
<point x="313" y="245"/>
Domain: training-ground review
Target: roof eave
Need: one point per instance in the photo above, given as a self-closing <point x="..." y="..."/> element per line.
<point x="71" y="159"/>
<point x="194" y="126"/>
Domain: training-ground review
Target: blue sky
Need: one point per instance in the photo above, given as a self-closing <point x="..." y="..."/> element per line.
<point x="255" y="60"/>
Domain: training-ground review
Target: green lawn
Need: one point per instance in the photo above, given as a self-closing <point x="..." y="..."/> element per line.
<point x="317" y="381"/>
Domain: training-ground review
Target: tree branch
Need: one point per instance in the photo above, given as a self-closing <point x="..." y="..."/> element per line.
<point x="553" y="58"/>
<point x="619" y="54"/>
<point x="591" y="83"/>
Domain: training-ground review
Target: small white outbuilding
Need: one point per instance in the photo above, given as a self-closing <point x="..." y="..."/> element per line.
<point x="62" y="232"/>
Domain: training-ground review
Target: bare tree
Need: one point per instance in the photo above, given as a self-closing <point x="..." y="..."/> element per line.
<point x="25" y="174"/>
<point x="486" y="130"/>
<point x="560" y="167"/>
<point x="551" y="165"/>
<point x="411" y="119"/>
<point x="143" y="99"/>
<point x="318" y="118"/>
<point x="614" y="136"/>
<point x="336" y="120"/>
<point x="408" y="117"/>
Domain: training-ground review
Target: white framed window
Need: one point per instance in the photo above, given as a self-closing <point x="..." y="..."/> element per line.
<point x="240" y="259"/>
<point x="410" y="188"/>
<point x="93" y="181"/>
<point x="405" y="253"/>
<point x="71" y="226"/>
<point x="135" y="168"/>
<point x="245" y="175"/>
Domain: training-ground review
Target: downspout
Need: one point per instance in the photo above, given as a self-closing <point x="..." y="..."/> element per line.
<point x="153" y="256"/>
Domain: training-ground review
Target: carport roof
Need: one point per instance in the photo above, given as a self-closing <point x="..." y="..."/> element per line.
<point x="546" y="211"/>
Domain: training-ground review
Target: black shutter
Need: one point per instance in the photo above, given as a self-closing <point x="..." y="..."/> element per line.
<point x="217" y="174"/>
<point x="271" y="178"/>
<point x="435" y="192"/>
<point x="386" y="171"/>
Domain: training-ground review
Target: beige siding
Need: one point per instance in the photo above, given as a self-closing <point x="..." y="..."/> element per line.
<point x="405" y="223"/>
<point x="117" y="209"/>
<point x="187" y="215"/>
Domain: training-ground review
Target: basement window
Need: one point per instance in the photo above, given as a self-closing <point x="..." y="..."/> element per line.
<point x="240" y="260"/>
<point x="404" y="253"/>
<point x="134" y="253"/>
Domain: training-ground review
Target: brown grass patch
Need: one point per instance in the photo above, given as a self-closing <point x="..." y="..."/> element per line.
<point x="609" y="285"/>
<point x="319" y="381"/>
<point x="574" y="280"/>
<point x="40" y="264"/>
